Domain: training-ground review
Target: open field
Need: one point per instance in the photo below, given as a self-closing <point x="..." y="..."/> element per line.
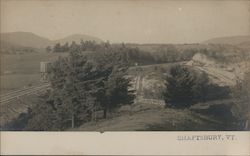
<point x="18" y="81"/>
<point x="27" y="63"/>
<point x="19" y="71"/>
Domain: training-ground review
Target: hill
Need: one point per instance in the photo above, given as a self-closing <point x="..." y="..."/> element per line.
<point x="20" y="40"/>
<point x="234" y="40"/>
<point x="8" y="45"/>
<point x="24" y="39"/>
<point x="77" y="38"/>
<point x="158" y="119"/>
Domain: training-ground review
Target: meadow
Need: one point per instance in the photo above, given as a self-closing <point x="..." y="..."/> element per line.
<point x="23" y="70"/>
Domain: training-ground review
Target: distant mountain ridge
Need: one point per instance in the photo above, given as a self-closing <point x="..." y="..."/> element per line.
<point x="234" y="40"/>
<point x="77" y="38"/>
<point x="28" y="39"/>
<point x="25" y="39"/>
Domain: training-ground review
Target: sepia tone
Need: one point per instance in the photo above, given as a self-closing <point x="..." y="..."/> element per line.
<point x="125" y="65"/>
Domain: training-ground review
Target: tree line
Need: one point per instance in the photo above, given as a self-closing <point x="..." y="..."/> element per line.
<point x="135" y="54"/>
<point x="83" y="46"/>
<point x="158" y="54"/>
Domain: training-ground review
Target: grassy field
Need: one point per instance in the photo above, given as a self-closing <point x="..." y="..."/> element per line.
<point x="18" y="81"/>
<point x="22" y="70"/>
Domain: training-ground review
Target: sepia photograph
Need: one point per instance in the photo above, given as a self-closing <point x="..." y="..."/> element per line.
<point x="125" y="65"/>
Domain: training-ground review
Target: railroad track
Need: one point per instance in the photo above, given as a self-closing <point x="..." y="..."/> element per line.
<point x="5" y="98"/>
<point x="228" y="79"/>
<point x="219" y="75"/>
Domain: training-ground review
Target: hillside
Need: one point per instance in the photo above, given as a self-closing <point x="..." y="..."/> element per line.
<point x="234" y="40"/>
<point x="157" y="119"/>
<point x="5" y="45"/>
<point x="20" y="40"/>
<point x="77" y="38"/>
<point x="25" y="39"/>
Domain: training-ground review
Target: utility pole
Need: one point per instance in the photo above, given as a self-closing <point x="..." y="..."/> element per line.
<point x="72" y="121"/>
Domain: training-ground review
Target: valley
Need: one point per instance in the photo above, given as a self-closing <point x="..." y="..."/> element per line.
<point x="21" y="88"/>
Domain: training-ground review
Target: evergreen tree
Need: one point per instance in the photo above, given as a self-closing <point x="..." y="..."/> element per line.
<point x="65" y="47"/>
<point x="73" y="46"/>
<point x="79" y="82"/>
<point x="179" y="87"/>
<point x="201" y="86"/>
<point x="116" y="85"/>
<point x="117" y="91"/>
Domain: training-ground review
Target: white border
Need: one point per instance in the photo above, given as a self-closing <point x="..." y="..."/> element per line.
<point x="122" y="143"/>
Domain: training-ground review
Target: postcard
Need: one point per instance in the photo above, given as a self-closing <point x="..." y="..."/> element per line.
<point x="125" y="77"/>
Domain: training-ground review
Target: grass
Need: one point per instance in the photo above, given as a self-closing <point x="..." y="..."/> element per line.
<point x="28" y="63"/>
<point x="18" y="81"/>
<point x="155" y="120"/>
<point x="22" y="70"/>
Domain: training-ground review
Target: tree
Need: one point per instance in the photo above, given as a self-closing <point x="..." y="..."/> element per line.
<point x="201" y="86"/>
<point x="42" y="117"/>
<point x="73" y="46"/>
<point x="179" y="87"/>
<point x="74" y="81"/>
<point x="65" y="47"/>
<point x="117" y="91"/>
<point x="185" y="87"/>
<point x="57" y="47"/>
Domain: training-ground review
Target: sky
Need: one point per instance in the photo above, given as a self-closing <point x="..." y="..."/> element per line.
<point x="129" y="21"/>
